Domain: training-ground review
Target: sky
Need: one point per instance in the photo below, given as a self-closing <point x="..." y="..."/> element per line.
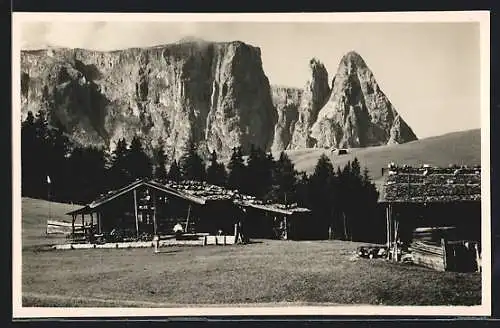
<point x="429" y="71"/>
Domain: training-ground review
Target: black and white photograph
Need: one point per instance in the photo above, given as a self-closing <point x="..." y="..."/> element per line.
<point x="251" y="164"/>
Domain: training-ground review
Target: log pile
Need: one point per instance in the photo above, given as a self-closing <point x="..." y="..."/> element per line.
<point x="433" y="236"/>
<point x="428" y="255"/>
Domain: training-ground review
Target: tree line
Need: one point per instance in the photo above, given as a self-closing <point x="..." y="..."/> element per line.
<point x="343" y="199"/>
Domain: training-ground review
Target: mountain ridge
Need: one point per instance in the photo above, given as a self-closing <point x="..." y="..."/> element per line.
<point x="215" y="94"/>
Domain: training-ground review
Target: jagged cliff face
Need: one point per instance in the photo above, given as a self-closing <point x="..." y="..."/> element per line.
<point x="287" y="102"/>
<point x="213" y="93"/>
<point x="358" y="114"/>
<point x="316" y="93"/>
<point x="298" y="109"/>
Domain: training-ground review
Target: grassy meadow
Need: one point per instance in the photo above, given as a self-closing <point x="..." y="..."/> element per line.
<point x="265" y="271"/>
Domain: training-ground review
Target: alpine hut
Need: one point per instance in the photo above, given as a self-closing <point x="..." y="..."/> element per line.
<point x="434" y="214"/>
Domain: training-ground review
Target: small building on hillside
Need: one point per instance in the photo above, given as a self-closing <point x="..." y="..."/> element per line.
<point x="435" y="213"/>
<point x="148" y="208"/>
<point x="339" y="151"/>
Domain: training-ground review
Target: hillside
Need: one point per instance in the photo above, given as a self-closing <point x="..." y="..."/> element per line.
<point x="463" y="148"/>
<point x="35" y="213"/>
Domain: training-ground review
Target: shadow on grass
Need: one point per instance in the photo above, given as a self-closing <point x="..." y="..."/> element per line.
<point x="250" y="242"/>
<point x="167" y="252"/>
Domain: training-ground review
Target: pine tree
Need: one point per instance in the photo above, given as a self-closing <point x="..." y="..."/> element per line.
<point x="28" y="160"/>
<point x="355" y="168"/>
<point x="284" y="181"/>
<point x="174" y="173"/>
<point x="160" y="158"/>
<point x="88" y="171"/>
<point x="302" y="190"/>
<point x="57" y="157"/>
<point x="138" y="162"/>
<point x="260" y="171"/>
<point x="192" y="165"/>
<point x="216" y="172"/>
<point x="237" y="170"/>
<point x="118" y="174"/>
<point x="322" y="192"/>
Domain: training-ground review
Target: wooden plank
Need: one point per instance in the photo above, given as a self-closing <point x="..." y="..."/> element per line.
<point x="211" y="240"/>
<point x="187" y="220"/>
<point x="429" y="261"/>
<point x="443" y="245"/>
<point x="419" y="246"/>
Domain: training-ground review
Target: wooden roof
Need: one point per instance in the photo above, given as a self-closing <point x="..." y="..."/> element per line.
<point x="279" y="208"/>
<point x="431" y="185"/>
<point x="136" y="184"/>
<point x="194" y="191"/>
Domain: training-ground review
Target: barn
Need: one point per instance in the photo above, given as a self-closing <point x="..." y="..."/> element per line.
<point x="147" y="208"/>
<point x="434" y="214"/>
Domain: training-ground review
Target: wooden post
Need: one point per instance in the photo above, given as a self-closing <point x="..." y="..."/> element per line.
<point x="235" y="231"/>
<point x="91" y="221"/>
<point x="99" y="224"/>
<point x="396" y="227"/>
<point x="73" y="225"/>
<point x="443" y="247"/>
<point x="345" y="225"/>
<point x="135" y="212"/>
<point x="388" y="214"/>
<point x="478" y="257"/>
<point x="155" y="226"/>
<point x="187" y="220"/>
<point x="83" y="222"/>
<point x="285" y="236"/>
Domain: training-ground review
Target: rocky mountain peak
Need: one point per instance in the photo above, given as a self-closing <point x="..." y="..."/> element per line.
<point x="215" y="94"/>
<point x="358" y="113"/>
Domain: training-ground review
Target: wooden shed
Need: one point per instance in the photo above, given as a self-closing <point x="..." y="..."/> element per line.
<point x="277" y="221"/>
<point x="435" y="214"/>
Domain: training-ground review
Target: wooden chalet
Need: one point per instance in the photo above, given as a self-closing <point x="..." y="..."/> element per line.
<point x="144" y="209"/>
<point x="148" y="208"/>
<point x="435" y="214"/>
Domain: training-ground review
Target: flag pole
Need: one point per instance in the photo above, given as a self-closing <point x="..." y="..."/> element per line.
<point x="48" y="198"/>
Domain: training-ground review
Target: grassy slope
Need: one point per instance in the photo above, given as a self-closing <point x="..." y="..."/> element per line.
<point x="35" y="214"/>
<point x="455" y="148"/>
<point x="265" y="272"/>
